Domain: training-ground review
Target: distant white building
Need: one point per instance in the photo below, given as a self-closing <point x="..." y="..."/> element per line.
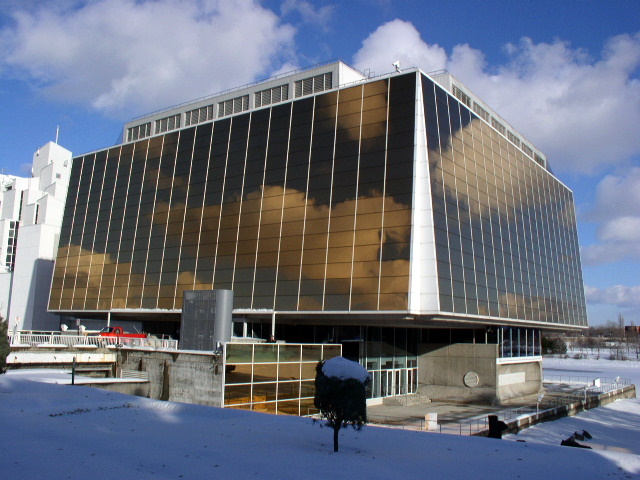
<point x="31" y="212"/>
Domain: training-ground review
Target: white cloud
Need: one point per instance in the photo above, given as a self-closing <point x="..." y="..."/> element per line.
<point x="398" y="40"/>
<point x="125" y="56"/>
<point x="617" y="211"/>
<point x="619" y="295"/>
<point x="582" y="112"/>
<point x="319" y="17"/>
<point x="622" y="229"/>
<point x="600" y="253"/>
<point x="617" y="195"/>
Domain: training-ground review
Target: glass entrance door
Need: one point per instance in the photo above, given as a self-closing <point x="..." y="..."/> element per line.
<point x="393" y="382"/>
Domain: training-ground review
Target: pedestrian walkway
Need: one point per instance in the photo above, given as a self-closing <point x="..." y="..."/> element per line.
<point x="469" y="419"/>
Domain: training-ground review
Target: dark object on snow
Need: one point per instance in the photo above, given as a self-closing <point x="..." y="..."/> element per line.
<point x="496" y="427"/>
<point x="571" y="442"/>
<point x="4" y="344"/>
<point x="582" y="436"/>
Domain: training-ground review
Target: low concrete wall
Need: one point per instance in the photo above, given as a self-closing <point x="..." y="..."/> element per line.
<point x="43" y="357"/>
<point x="138" y="388"/>
<point x="178" y="376"/>
<point x="442" y="370"/>
<point x="471" y="373"/>
<point x="188" y="377"/>
<point x="519" y="379"/>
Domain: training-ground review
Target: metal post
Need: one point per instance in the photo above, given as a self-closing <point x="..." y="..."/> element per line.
<point x="73" y="372"/>
<point x="585" y="394"/>
<point x="273" y="324"/>
<point x="223" y="373"/>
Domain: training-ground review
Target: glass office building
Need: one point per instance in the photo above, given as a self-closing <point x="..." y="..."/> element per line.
<point x="340" y="201"/>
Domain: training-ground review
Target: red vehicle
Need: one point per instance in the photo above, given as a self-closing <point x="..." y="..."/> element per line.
<point x="119" y="332"/>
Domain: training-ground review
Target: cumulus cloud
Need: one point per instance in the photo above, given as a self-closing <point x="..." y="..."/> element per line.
<point x="318" y="17"/>
<point x="620" y="295"/>
<point x="124" y="56"/>
<point x="617" y="211"/>
<point x="610" y="252"/>
<point x="583" y="112"/>
<point x="617" y="194"/>
<point x="398" y="41"/>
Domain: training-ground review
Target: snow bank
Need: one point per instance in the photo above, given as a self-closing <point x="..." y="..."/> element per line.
<point x="60" y="432"/>
<point x="340" y="367"/>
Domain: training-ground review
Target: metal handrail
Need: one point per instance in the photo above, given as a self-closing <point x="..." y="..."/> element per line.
<point x="584" y="380"/>
<point x="61" y="340"/>
<point x="480" y="424"/>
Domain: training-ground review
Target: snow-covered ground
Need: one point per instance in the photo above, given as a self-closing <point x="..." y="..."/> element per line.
<point x="593" y="368"/>
<point x="615" y="427"/>
<point x="58" y="431"/>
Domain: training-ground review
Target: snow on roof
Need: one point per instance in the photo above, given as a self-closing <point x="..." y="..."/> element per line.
<point x="340" y="367"/>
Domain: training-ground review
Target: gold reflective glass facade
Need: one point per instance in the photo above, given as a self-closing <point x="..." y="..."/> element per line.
<point x="307" y="205"/>
<point x="505" y="228"/>
<point x="302" y="206"/>
<point x="273" y="377"/>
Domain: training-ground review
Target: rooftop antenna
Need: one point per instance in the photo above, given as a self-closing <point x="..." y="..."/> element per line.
<point x="57" y="132"/>
<point x="397" y="65"/>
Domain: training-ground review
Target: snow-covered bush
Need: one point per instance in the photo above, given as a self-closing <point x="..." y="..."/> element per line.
<point x="340" y="394"/>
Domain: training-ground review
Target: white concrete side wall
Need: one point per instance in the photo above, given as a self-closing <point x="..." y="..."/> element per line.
<point x="4" y="237"/>
<point x="423" y="285"/>
<point x="25" y="292"/>
<point x="51" y="211"/>
<point x="37" y="245"/>
<point x="49" y="154"/>
<point x="28" y="215"/>
<point x="5" y="289"/>
<point x="346" y="74"/>
<point x="10" y="204"/>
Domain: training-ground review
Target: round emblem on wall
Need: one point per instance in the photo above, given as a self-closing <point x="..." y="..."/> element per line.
<point x="471" y="379"/>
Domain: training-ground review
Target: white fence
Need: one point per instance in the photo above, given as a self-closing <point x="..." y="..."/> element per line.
<point x="590" y="382"/>
<point x="60" y="340"/>
<point x="579" y="388"/>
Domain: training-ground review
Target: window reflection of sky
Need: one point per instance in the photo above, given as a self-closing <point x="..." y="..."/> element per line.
<point x="307" y="206"/>
<point x="293" y="207"/>
<point x="506" y="237"/>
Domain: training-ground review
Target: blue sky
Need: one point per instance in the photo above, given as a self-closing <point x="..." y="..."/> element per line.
<point x="565" y="74"/>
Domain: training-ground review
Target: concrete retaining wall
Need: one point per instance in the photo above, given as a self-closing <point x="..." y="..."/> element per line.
<point x="519" y="380"/>
<point x="139" y="388"/>
<point x="467" y="372"/>
<point x="442" y="370"/>
<point x="178" y="376"/>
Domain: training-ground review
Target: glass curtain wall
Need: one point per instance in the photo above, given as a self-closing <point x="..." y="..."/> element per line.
<point x="390" y="356"/>
<point x="274" y="378"/>
<point x="519" y="342"/>
<point x="304" y="205"/>
<point x="505" y="228"/>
